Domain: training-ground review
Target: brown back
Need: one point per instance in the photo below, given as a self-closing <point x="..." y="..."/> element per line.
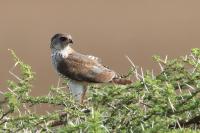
<point x="82" y="68"/>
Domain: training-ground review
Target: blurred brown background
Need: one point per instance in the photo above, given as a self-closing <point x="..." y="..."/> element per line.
<point x="108" y="29"/>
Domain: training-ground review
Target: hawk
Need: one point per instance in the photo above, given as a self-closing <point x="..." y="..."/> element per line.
<point x="79" y="68"/>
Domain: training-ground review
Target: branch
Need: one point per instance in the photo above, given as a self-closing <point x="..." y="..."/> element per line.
<point x="186" y="123"/>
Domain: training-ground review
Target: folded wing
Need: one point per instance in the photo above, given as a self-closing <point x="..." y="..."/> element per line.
<point x="83" y="68"/>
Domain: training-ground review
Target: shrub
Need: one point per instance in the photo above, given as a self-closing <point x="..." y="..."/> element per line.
<point x="165" y="102"/>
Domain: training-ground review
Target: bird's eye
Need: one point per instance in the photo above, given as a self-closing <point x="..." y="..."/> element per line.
<point x="63" y="39"/>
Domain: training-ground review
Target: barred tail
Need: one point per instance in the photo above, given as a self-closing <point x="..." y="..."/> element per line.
<point x="121" y="81"/>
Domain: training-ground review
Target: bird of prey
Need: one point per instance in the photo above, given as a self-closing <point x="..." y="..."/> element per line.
<point x="79" y="68"/>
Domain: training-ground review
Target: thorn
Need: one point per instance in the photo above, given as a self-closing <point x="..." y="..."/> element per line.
<point x="178" y="124"/>
<point x="190" y="86"/>
<point x="161" y="67"/>
<point x="142" y="73"/>
<point x="186" y="57"/>
<point x="134" y="67"/>
<point x="179" y="87"/>
<point x="12" y="91"/>
<point x="143" y="79"/>
<point x="172" y="107"/>
<point x="193" y="57"/>
<point x="166" y="59"/>
<point x="14" y="75"/>
<point x="136" y="74"/>
<point x="190" y="92"/>
<point x="130" y="61"/>
<point x="142" y="126"/>
<point x="152" y="124"/>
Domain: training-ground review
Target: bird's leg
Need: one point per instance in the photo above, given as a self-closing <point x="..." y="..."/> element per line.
<point x="83" y="94"/>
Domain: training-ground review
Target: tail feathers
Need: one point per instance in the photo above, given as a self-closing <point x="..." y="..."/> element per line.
<point x="121" y="81"/>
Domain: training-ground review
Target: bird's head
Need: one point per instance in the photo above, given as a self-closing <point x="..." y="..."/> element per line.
<point x="60" y="41"/>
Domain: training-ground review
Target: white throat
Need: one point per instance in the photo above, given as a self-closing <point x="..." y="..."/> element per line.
<point x="66" y="51"/>
<point x="63" y="53"/>
<point x="58" y="55"/>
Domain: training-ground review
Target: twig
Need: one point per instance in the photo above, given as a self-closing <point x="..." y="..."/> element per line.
<point x="5" y="114"/>
<point x="134" y="68"/>
<point x="186" y="123"/>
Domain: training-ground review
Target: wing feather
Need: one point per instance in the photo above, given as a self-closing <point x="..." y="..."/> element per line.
<point x="94" y="58"/>
<point x="83" y="68"/>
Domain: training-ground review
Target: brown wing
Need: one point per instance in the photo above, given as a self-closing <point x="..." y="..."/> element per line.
<point x="79" y="67"/>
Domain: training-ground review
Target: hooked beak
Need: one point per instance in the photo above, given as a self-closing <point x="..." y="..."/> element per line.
<point x="70" y="41"/>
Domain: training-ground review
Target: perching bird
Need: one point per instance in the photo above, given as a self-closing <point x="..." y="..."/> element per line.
<point x="80" y="69"/>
